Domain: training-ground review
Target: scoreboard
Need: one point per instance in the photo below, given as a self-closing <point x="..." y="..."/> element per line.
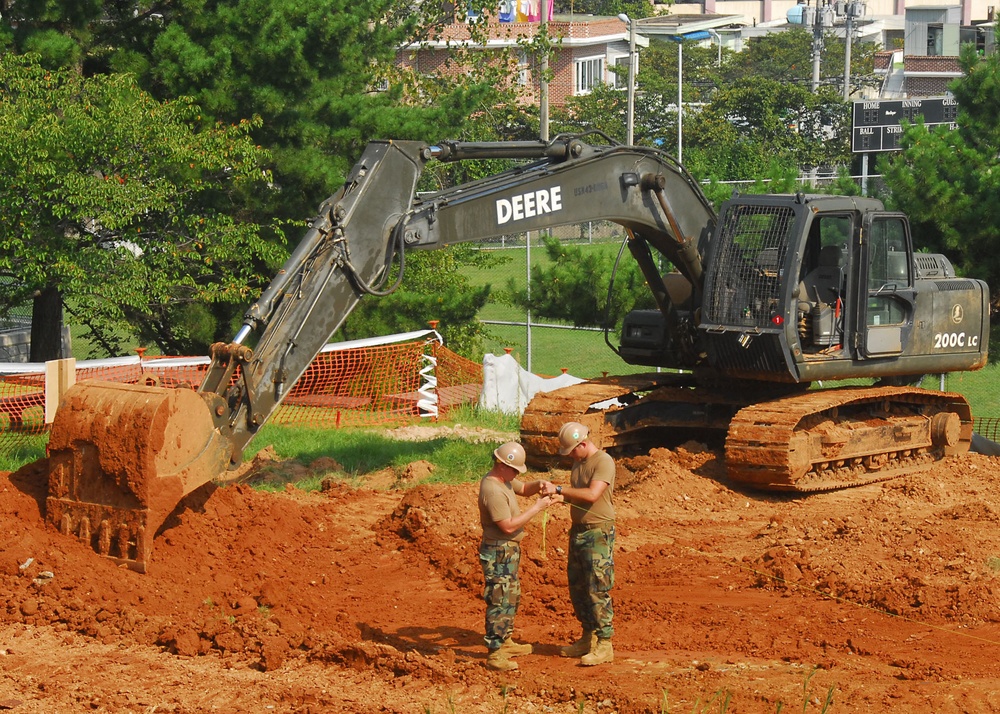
<point x="877" y="125"/>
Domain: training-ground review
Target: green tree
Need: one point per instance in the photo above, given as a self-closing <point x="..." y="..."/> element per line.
<point x="603" y="109"/>
<point x="948" y="182"/>
<point x="787" y="57"/>
<point x="116" y="206"/>
<point x="433" y="289"/>
<point x="309" y="69"/>
<point x="574" y="287"/>
<point x="755" y="122"/>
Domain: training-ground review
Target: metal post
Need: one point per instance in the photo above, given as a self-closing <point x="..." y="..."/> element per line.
<point x="817" y="47"/>
<point x="847" y="55"/>
<point x="864" y="174"/>
<point x="822" y="18"/>
<point x="527" y="290"/>
<point x="630" y="115"/>
<point x="632" y="61"/>
<point x="543" y="87"/>
<point x="680" y="101"/>
<point x="718" y="38"/>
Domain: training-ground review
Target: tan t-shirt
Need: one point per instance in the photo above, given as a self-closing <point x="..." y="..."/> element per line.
<point x="498" y="502"/>
<point x="599" y="466"/>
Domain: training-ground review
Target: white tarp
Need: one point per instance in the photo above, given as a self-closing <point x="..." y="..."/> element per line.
<point x="508" y="388"/>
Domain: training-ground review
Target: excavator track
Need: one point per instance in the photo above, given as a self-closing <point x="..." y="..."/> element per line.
<point x="548" y="411"/>
<point x="840" y="438"/>
<point x="810" y="441"/>
<point x="626" y="413"/>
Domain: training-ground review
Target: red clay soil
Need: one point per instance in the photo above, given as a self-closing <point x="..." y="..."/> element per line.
<point x="881" y="598"/>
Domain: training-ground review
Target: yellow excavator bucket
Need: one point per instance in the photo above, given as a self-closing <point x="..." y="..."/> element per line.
<point x="121" y="457"/>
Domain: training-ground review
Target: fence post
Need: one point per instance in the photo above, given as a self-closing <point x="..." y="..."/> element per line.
<point x="60" y="375"/>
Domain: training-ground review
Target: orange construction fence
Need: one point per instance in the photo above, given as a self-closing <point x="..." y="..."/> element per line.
<point x="374" y="382"/>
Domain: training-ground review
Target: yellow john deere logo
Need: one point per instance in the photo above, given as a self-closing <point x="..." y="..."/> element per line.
<point x="957" y="314"/>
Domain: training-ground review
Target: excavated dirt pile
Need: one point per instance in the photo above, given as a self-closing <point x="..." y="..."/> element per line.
<point x="367" y="599"/>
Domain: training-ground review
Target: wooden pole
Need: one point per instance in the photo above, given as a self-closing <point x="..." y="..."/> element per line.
<point x="60" y="375"/>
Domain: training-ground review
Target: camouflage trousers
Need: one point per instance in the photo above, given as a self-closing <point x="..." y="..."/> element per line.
<point x="502" y="592"/>
<point x="590" y="569"/>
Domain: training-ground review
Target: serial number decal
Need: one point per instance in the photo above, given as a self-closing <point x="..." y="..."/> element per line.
<point x="590" y="188"/>
<point x="528" y="205"/>
<point x="948" y="340"/>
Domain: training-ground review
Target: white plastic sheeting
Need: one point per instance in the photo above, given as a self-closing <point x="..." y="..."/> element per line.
<point x="508" y="388"/>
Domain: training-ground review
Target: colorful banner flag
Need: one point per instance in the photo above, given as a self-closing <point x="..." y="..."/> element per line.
<point x="525" y="10"/>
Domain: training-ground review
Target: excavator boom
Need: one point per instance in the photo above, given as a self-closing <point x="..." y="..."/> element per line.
<point x="121" y="457"/>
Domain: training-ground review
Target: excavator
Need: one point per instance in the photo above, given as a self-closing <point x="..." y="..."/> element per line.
<point x="755" y="307"/>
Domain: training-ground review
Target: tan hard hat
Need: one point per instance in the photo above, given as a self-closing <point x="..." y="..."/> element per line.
<point x="511" y="454"/>
<point x="571" y="434"/>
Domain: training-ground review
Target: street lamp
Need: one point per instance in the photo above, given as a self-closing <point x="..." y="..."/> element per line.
<point x="715" y="35"/>
<point x="679" y="39"/>
<point x="630" y="121"/>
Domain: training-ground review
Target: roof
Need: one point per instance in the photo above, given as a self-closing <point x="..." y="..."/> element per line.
<point x="684" y="24"/>
<point x="570" y="29"/>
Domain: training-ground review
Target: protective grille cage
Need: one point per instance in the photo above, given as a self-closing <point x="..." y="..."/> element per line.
<point x="748" y="254"/>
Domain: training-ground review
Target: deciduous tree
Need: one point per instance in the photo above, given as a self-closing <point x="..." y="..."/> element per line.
<point x="117" y="207"/>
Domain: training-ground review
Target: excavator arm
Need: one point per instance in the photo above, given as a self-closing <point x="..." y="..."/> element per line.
<point x="121" y="457"/>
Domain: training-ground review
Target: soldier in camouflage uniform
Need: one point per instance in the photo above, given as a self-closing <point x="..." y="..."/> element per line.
<point x="500" y="549"/>
<point x="590" y="565"/>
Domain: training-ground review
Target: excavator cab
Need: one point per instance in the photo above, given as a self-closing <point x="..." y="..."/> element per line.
<point x="847" y="299"/>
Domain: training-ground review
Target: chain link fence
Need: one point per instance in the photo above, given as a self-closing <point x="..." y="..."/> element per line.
<point x="15" y="334"/>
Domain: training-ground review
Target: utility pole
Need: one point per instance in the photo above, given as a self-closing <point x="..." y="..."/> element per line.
<point x="852" y="10"/>
<point x="847" y="56"/>
<point x="821" y="19"/>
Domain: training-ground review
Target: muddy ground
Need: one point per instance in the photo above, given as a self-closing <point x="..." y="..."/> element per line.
<point x="367" y="599"/>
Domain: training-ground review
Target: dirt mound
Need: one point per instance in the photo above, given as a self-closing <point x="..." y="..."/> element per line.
<point x="367" y="599"/>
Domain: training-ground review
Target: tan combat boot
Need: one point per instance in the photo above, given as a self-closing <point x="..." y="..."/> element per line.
<point x="602" y="653"/>
<point x="514" y="649"/>
<point x="499" y="660"/>
<point x="581" y="647"/>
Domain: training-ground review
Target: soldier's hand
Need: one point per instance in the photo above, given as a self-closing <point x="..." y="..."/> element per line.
<point x="546" y="501"/>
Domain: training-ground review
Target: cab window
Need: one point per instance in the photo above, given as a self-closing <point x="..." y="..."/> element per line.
<point x="888" y="271"/>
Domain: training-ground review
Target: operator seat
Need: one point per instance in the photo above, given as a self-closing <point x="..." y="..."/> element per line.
<point x="820" y="291"/>
<point x="824" y="284"/>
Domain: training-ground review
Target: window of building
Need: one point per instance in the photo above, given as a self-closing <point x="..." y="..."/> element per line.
<point x="935" y="40"/>
<point x="589" y="72"/>
<point x="621" y="73"/>
<point x="523" y="69"/>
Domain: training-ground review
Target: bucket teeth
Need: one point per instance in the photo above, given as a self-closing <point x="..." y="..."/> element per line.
<point x="119" y="534"/>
